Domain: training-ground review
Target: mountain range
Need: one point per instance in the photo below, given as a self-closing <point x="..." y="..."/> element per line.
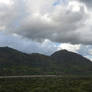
<point x="63" y="62"/>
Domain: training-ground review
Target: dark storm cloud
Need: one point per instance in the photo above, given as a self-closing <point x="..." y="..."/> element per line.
<point x="62" y="26"/>
<point x="61" y="23"/>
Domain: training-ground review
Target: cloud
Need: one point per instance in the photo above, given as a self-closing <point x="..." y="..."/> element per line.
<point x="32" y="25"/>
<point x="87" y="2"/>
<point x="26" y="45"/>
<point x="90" y="52"/>
<point x="69" y="47"/>
<point x="61" y="23"/>
<point x="66" y="22"/>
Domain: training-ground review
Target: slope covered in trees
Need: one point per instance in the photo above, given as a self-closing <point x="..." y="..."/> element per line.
<point x="13" y="62"/>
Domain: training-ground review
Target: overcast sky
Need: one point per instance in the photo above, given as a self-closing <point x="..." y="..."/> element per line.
<point x="45" y="26"/>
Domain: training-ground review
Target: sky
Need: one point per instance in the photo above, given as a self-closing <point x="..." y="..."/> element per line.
<point x="45" y="26"/>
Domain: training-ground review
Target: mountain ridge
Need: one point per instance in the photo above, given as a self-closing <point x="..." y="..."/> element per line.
<point x="63" y="62"/>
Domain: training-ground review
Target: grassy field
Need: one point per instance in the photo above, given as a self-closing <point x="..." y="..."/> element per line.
<point x="71" y="84"/>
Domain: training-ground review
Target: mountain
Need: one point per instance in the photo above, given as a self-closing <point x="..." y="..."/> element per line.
<point x="66" y="57"/>
<point x="63" y="62"/>
<point x="13" y="62"/>
<point x="72" y="63"/>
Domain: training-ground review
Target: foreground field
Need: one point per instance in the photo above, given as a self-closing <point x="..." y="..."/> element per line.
<point x="47" y="84"/>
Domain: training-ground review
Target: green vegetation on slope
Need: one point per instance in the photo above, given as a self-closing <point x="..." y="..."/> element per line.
<point x="13" y="62"/>
<point x="46" y="85"/>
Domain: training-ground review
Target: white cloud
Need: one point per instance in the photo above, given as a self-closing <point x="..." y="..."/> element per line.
<point x="90" y="51"/>
<point x="39" y="6"/>
<point x="40" y="20"/>
<point x="26" y="45"/>
<point x="2" y="28"/>
<point x="69" y="47"/>
<point x="59" y="23"/>
<point x="6" y="2"/>
<point x="89" y="57"/>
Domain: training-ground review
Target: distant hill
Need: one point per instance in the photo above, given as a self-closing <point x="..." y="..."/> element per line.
<point x="72" y="63"/>
<point x="63" y="62"/>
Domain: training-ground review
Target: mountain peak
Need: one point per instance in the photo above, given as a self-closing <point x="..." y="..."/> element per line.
<point x="6" y="48"/>
<point x="64" y="51"/>
<point x="69" y="57"/>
